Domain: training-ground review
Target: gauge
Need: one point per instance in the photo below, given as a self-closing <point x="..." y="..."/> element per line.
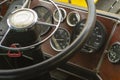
<point x="73" y="18"/>
<point x="56" y="14"/>
<point x="44" y="15"/>
<point x="114" y="53"/>
<point x="95" y="40"/>
<point x="60" y="40"/>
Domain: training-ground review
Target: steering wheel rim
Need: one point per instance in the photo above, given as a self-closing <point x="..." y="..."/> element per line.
<point x="36" y="21"/>
<point x="28" y="71"/>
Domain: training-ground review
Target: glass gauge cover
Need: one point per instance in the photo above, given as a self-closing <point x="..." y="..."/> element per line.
<point x="114" y="53"/>
<point x="44" y="15"/>
<point x="95" y="40"/>
<point x="60" y="40"/>
<point x="56" y="14"/>
<point x="73" y="18"/>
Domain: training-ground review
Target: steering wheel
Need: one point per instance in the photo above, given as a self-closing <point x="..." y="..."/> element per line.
<point x="22" y="25"/>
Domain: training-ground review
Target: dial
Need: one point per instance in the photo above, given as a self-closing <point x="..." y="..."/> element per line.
<point x="95" y="40"/>
<point x="114" y="53"/>
<point x="60" y="40"/>
<point x="56" y="14"/>
<point x="44" y="15"/>
<point x="73" y="18"/>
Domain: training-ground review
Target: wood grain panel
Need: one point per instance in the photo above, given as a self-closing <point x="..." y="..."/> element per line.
<point x="108" y="70"/>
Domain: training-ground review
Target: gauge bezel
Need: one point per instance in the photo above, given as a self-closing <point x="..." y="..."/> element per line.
<point x="118" y="43"/>
<point x="68" y="16"/>
<point x="38" y="17"/>
<point x="63" y="17"/>
<point x="58" y="50"/>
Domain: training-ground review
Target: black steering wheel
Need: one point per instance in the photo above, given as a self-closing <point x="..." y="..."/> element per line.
<point x="15" y="23"/>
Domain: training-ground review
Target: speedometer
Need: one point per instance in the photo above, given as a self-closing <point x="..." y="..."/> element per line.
<point x="44" y="15"/>
<point x="96" y="39"/>
<point x="60" y="40"/>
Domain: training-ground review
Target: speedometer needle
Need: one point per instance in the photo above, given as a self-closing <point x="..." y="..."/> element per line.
<point x="60" y="39"/>
<point x="55" y="41"/>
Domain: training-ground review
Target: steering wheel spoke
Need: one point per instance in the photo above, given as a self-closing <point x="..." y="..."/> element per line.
<point x="26" y="4"/>
<point x="2" y="2"/>
<point x="5" y="36"/>
<point x="45" y="23"/>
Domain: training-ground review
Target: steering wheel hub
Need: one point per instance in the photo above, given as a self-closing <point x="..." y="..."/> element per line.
<point x="22" y="19"/>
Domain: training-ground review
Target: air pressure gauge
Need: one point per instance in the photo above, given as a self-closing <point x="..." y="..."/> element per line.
<point x="114" y="53"/>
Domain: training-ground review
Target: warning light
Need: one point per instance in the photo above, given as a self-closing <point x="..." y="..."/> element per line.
<point x="14" y="54"/>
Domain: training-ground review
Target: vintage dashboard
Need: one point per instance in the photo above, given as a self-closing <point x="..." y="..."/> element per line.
<point x="100" y="55"/>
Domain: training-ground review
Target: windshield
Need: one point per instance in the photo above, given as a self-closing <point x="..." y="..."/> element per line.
<point x="112" y="6"/>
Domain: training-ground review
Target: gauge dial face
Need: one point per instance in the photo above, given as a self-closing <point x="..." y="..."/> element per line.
<point x="114" y="53"/>
<point x="60" y="40"/>
<point x="95" y="40"/>
<point x="56" y="14"/>
<point x="73" y="18"/>
<point x="44" y="15"/>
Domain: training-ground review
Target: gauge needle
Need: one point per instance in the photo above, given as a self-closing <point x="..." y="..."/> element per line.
<point x="25" y="56"/>
<point x="56" y="43"/>
<point x="60" y="39"/>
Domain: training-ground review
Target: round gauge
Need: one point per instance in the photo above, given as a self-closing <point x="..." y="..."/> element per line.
<point x="73" y="18"/>
<point x="60" y="40"/>
<point x="95" y="40"/>
<point x="114" y="53"/>
<point x="56" y="14"/>
<point x="44" y="15"/>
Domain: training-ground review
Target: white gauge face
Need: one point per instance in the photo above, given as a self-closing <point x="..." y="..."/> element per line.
<point x="60" y="40"/>
<point x="114" y="53"/>
<point x="73" y="18"/>
<point x="56" y="14"/>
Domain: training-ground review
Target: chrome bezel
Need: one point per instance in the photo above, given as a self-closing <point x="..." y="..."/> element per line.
<point x="68" y="16"/>
<point x="52" y="44"/>
<point x="63" y="17"/>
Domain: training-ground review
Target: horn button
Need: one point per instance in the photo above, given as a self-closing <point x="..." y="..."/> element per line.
<point x="22" y="19"/>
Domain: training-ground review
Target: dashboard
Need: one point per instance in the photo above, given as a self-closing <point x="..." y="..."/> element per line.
<point x="96" y="55"/>
<point x="100" y="54"/>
